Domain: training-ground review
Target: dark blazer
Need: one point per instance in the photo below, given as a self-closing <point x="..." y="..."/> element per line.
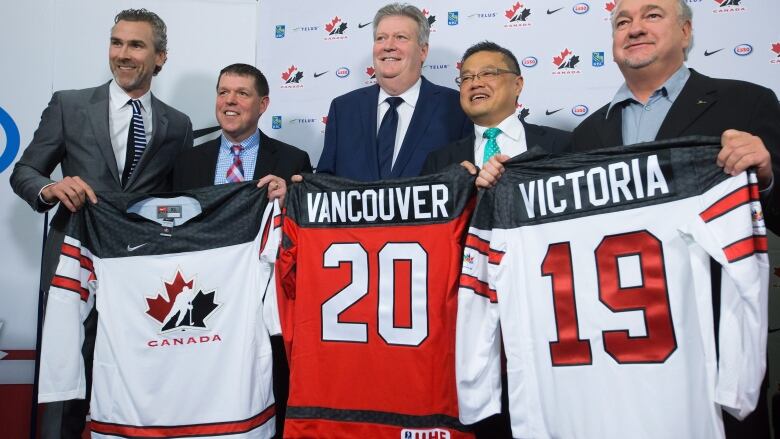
<point x="551" y="139"/>
<point x="350" y="133"/>
<point x="195" y="167"/>
<point x="705" y="106"/>
<point x="74" y="133"/>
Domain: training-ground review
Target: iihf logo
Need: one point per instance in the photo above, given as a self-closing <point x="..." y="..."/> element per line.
<point x="182" y="306"/>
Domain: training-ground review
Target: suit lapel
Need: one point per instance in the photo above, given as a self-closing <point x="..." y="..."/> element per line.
<point x="612" y="134"/>
<point x="694" y="99"/>
<point x="160" y="126"/>
<point x="97" y="113"/>
<point x="368" y="109"/>
<point x="266" y="157"/>
<point x="423" y="110"/>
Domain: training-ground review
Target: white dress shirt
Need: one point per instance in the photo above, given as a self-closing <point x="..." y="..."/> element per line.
<point x="119" y="115"/>
<point x="405" y="112"/>
<point x="511" y="141"/>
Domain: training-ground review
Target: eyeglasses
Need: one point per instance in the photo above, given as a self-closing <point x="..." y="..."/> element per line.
<point x="487" y="75"/>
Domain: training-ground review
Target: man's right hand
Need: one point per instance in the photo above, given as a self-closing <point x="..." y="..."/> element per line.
<point x="491" y="171"/>
<point x="72" y="192"/>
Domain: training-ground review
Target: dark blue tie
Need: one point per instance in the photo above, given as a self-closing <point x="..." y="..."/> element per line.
<point x="136" y="141"/>
<point x="385" y="138"/>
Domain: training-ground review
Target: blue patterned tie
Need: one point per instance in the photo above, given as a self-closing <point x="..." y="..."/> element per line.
<point x="491" y="147"/>
<point x="136" y="141"/>
<point x="385" y="138"/>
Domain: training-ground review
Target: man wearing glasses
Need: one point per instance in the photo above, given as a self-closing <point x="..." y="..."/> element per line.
<point x="490" y="83"/>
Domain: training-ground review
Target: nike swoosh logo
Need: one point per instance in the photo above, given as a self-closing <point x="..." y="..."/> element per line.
<point x="549" y="12"/>
<point x="134" y="248"/>
<point x="317" y="75"/>
<point x="548" y="112"/>
<point x="706" y="53"/>
<point x="361" y="26"/>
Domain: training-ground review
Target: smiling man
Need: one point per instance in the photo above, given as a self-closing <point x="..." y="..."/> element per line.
<point x="490" y="83"/>
<point x="114" y="137"/>
<point x="386" y="130"/>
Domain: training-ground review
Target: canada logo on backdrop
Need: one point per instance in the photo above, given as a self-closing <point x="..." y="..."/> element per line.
<point x="609" y="7"/>
<point x="566" y="63"/>
<point x="774" y="60"/>
<point x="292" y="77"/>
<point x="517" y="15"/>
<point x="336" y="29"/>
<point x="371" y="73"/>
<point x="728" y="6"/>
<point x="523" y="113"/>
<point x="10" y="148"/>
<point x="182" y="306"/>
<point x="431" y="19"/>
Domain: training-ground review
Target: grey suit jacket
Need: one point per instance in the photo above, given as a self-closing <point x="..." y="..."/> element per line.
<point x="74" y="133"/>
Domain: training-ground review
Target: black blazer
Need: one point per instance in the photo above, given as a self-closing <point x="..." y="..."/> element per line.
<point x="551" y="139"/>
<point x="705" y="106"/>
<point x="195" y="167"/>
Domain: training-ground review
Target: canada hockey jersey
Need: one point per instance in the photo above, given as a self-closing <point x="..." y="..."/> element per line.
<point x="367" y="286"/>
<point x="182" y="346"/>
<point x="597" y="268"/>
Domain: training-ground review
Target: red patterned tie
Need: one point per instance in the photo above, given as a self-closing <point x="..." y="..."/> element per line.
<point x="235" y="172"/>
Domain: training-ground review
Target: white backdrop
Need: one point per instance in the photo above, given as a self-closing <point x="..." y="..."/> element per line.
<point x="49" y="45"/>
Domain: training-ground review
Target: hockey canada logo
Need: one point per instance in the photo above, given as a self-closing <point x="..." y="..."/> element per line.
<point x="431" y="19"/>
<point x="728" y="6"/>
<point x="336" y="29"/>
<point x="517" y="15"/>
<point x="776" y="51"/>
<point x="523" y="113"/>
<point x="182" y="306"/>
<point x="566" y="63"/>
<point x="292" y="78"/>
<point x="371" y="74"/>
<point x="609" y="7"/>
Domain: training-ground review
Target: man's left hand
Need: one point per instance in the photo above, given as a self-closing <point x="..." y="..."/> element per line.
<point x="741" y="150"/>
<point x="277" y="187"/>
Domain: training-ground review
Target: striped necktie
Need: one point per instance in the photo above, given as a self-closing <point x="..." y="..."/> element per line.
<point x="136" y="141"/>
<point x="235" y="172"/>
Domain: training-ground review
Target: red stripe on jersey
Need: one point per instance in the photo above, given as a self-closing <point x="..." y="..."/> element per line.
<point x="69" y="284"/>
<point x="754" y="195"/>
<point x="264" y="239"/>
<point x="277" y="221"/>
<point x="479" y="287"/>
<point x="726" y="204"/>
<point x="18" y="355"/>
<point x="477" y="243"/>
<point x="495" y="257"/>
<point x="214" y="429"/>
<point x="86" y="263"/>
<point x="743" y="248"/>
<point x="761" y="243"/>
<point x="71" y="251"/>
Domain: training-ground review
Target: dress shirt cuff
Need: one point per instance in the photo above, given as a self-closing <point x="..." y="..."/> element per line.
<point x="46" y="203"/>
<point x="763" y="193"/>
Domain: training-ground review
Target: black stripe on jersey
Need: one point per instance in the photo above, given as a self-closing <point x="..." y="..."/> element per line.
<point x="376" y="417"/>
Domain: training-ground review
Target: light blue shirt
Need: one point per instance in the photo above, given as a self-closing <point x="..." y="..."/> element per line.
<point x="641" y="121"/>
<point x="248" y="156"/>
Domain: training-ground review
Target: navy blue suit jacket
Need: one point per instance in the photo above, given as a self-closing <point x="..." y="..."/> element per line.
<point x="350" y="134"/>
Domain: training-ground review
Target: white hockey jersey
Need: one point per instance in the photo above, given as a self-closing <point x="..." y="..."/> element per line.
<point x="596" y="266"/>
<point x="182" y="346"/>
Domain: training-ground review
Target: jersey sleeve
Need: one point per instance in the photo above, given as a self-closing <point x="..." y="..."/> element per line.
<point x="71" y="297"/>
<point x="731" y="229"/>
<point x="477" y="342"/>
<point x="269" y="248"/>
<point x="286" y="271"/>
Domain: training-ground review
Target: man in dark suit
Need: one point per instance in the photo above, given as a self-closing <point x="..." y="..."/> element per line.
<point x="242" y="97"/>
<point x="490" y="82"/>
<point x="387" y="130"/>
<point x="114" y="137"/>
<point x="662" y="98"/>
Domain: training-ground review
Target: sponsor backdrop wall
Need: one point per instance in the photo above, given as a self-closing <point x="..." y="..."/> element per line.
<point x="312" y="51"/>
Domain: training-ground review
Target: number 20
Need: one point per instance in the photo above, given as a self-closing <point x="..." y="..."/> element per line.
<point x="356" y="255"/>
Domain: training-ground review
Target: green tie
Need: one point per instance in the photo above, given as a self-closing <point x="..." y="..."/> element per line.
<point x="491" y="147"/>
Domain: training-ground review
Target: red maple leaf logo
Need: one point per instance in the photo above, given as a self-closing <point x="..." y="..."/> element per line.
<point x="609" y="6"/>
<point x="776" y="48"/>
<point x="370" y="71"/>
<point x="558" y="60"/>
<point x="458" y="65"/>
<point x="325" y="119"/>
<point x="286" y="75"/>
<point x="159" y="307"/>
<point x="329" y="27"/>
<point x="718" y="2"/>
<point x="426" y="12"/>
<point x="511" y="12"/>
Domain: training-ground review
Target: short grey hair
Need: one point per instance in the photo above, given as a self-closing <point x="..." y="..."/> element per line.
<point x="684" y="13"/>
<point x="405" y="10"/>
<point x="159" y="30"/>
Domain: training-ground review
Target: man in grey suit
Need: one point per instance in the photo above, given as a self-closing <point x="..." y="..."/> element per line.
<point x="114" y="137"/>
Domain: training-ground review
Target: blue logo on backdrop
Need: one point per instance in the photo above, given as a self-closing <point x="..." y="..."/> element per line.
<point x="580" y="8"/>
<point x="598" y="59"/>
<point x="11" y="147"/>
<point x="276" y="122"/>
<point x="279" y="31"/>
<point x="743" y="49"/>
<point x="530" y="61"/>
<point x="452" y="18"/>
<point x="579" y="110"/>
<point x="342" y="72"/>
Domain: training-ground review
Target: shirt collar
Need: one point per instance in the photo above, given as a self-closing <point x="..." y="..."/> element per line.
<point x="512" y="127"/>
<point x="671" y="88"/>
<point x="119" y="97"/>
<point x="409" y="96"/>
<point x="249" y="143"/>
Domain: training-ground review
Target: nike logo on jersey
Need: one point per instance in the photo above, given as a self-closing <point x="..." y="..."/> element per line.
<point x="361" y="26"/>
<point x="317" y="75"/>
<point x="135" y="247"/>
<point x="549" y="12"/>
<point x="548" y="112"/>
<point x="708" y="53"/>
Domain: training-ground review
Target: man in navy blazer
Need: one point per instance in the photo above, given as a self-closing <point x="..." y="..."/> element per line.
<point x="428" y="118"/>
